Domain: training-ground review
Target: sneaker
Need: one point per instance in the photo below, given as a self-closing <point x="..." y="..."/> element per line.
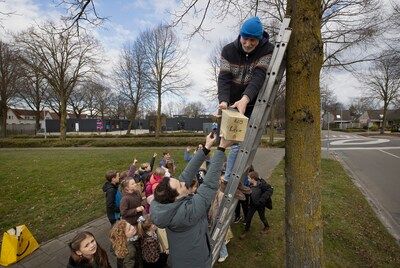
<point x="237" y="220"/>
<point x="265" y="230"/>
<point x="222" y="186"/>
<point x="243" y="235"/>
<point x="222" y="259"/>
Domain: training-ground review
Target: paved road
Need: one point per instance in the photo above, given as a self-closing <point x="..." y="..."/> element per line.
<point x="374" y="162"/>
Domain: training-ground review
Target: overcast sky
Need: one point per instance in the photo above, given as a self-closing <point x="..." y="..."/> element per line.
<point x="126" y="18"/>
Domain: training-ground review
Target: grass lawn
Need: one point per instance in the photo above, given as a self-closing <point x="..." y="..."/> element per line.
<point x="353" y="236"/>
<point x="56" y="190"/>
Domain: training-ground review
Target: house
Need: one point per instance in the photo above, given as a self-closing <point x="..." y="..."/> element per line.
<point x="375" y="118"/>
<point x="339" y="119"/>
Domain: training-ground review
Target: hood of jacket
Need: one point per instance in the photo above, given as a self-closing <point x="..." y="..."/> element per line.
<point x="171" y="215"/>
<point x="108" y="185"/>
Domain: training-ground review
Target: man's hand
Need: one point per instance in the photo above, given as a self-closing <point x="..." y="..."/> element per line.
<point x="155" y="154"/>
<point x="223" y="105"/>
<point x="224" y="143"/>
<point x="210" y="139"/>
<point x="135" y="161"/>
<point x="188" y="149"/>
<point x="241" y="104"/>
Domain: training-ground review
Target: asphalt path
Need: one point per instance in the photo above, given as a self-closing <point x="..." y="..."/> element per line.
<point x="374" y="163"/>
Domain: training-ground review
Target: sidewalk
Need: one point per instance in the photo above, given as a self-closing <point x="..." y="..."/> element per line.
<point x="55" y="253"/>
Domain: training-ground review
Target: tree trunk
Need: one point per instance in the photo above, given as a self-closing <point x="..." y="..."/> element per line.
<point x="3" y="120"/>
<point x="382" y="131"/>
<point x="133" y="117"/>
<point x="63" y="120"/>
<point x="37" y="120"/>
<point x="303" y="224"/>
<point x="271" y="127"/>
<point x="158" y="121"/>
<point x="128" y="131"/>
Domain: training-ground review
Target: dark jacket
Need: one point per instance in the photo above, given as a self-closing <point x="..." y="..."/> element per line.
<point x="185" y="220"/>
<point x="129" y="203"/>
<point x="111" y="208"/>
<point x="72" y="264"/>
<point x="243" y="73"/>
<point x="260" y="193"/>
<point x="134" y="257"/>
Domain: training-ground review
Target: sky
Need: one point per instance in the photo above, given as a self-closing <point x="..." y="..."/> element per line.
<point x="127" y="18"/>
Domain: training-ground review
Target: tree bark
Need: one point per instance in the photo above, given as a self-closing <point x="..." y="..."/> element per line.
<point x="63" y="120"/>
<point x="37" y="120"/>
<point x="303" y="224"/>
<point x="3" y="120"/>
<point x="382" y="131"/>
<point x="158" y="120"/>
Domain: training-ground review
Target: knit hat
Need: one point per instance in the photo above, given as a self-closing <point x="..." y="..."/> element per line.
<point x="252" y="28"/>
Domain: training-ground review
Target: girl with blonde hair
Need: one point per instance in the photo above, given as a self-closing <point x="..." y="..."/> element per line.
<point x="126" y="244"/>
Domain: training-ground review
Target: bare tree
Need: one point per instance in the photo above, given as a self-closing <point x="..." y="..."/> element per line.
<point x="91" y="89"/>
<point x="328" y="98"/>
<point x="166" y="64"/>
<point x="104" y="97"/>
<point x="77" y="100"/>
<point x="65" y="59"/>
<point x="33" y="91"/>
<point x="382" y="82"/>
<point x="214" y="60"/>
<point x="119" y="107"/>
<point x="79" y="11"/>
<point x="130" y="76"/>
<point x="360" y="105"/>
<point x="10" y="74"/>
<point x="346" y="25"/>
<point x="194" y="109"/>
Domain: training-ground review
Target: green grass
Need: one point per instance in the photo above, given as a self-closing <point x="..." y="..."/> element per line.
<point x="56" y="190"/>
<point x="353" y="236"/>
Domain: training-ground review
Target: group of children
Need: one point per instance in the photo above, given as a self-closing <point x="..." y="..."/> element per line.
<point x="136" y="242"/>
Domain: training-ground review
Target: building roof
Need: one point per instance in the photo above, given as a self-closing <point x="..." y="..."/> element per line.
<point x="343" y="115"/>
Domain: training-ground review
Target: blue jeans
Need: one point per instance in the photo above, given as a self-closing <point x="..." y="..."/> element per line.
<point x="233" y="153"/>
<point x="223" y="252"/>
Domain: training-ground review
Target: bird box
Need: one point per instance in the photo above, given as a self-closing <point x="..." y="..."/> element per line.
<point x="233" y="125"/>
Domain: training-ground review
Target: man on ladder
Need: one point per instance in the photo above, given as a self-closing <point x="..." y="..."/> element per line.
<point x="243" y="68"/>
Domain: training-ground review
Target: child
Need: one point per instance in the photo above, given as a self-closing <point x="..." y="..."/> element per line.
<point x="110" y="187"/>
<point x="155" y="179"/>
<point x="151" y="252"/>
<point x="146" y="169"/>
<point x="85" y="252"/>
<point x="126" y="244"/>
<point x="261" y="191"/>
<point x="131" y="206"/>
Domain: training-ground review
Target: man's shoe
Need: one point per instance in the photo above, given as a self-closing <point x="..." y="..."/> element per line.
<point x="244" y="189"/>
<point x="237" y="220"/>
<point x="222" y="186"/>
<point x="265" y="230"/>
<point x="222" y="259"/>
<point x="243" y="235"/>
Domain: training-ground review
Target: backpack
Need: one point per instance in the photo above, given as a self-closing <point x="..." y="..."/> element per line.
<point x="268" y="204"/>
